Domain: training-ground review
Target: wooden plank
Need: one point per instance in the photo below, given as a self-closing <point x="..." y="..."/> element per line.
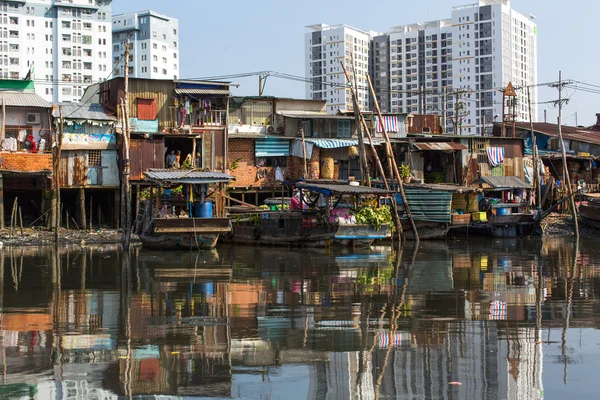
<point x="191" y="223"/>
<point x="198" y="229"/>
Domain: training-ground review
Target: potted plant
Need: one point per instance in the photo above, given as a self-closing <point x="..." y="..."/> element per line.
<point x="405" y="173"/>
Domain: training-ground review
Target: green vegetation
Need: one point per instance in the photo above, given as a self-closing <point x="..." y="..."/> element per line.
<point x="374" y="216"/>
<point x="404" y="171"/>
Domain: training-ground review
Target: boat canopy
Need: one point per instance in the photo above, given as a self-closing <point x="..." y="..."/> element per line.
<point x="168" y="177"/>
<point x="331" y="189"/>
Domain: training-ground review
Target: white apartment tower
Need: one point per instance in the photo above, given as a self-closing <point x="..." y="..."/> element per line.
<point x="466" y="60"/>
<point x="325" y="47"/>
<point x="154" y="44"/>
<point x="65" y="42"/>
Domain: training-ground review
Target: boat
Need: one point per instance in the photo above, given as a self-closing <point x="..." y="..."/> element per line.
<point x="190" y="221"/>
<point x="589" y="210"/>
<point x="503" y="210"/>
<point x="341" y="200"/>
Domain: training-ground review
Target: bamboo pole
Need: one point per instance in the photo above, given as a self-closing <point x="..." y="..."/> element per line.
<point x="395" y="215"/>
<point x="21" y="221"/>
<point x="304" y="154"/>
<point x="126" y="161"/>
<point x="56" y="173"/>
<point x="361" y="145"/>
<point x="392" y="159"/>
<point x="13" y="217"/>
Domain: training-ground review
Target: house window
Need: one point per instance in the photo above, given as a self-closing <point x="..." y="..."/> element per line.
<point x="343" y="129"/>
<point x="94" y="158"/>
<point x="146" y="109"/>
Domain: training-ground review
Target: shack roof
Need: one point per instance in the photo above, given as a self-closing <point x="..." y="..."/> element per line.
<point x="502" y="183"/>
<point x="23" y="99"/>
<point x="84" y="111"/>
<point x="339" y="143"/>
<point x="165" y="177"/>
<point x="329" y="189"/>
<point x="312" y="115"/>
<point x="569" y="132"/>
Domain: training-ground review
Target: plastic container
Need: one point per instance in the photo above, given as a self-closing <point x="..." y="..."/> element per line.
<point x="206" y="288"/>
<point x="503" y="211"/>
<point x="197" y="206"/>
<point x="206" y="211"/>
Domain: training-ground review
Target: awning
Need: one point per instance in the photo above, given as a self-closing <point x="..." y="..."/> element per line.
<point x="272" y="147"/>
<point x="166" y="177"/>
<point x="310" y="115"/>
<point x="440" y="146"/>
<point x="502" y="183"/>
<point x="329" y="189"/>
<point x="216" y="92"/>
<point x="338" y="143"/>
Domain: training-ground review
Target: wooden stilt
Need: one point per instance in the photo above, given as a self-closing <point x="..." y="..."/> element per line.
<point x="81" y="208"/>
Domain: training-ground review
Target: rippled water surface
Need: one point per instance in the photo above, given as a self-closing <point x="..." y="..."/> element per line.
<point x="468" y="319"/>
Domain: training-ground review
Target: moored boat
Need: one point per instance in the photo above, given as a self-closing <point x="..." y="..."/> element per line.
<point x="190" y="221"/>
<point x="589" y="210"/>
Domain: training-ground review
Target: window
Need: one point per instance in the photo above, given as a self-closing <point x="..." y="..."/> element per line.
<point x="146" y="109"/>
<point x="94" y="158"/>
<point x="343" y="129"/>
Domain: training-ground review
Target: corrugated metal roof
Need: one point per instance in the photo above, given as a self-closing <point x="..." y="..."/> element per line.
<point x="256" y="135"/>
<point x="21" y="99"/>
<point x="219" y="92"/>
<point x="163" y="176"/>
<point x="82" y="111"/>
<point x="339" y="143"/>
<point x="502" y="182"/>
<point x="428" y="205"/>
<point x="312" y="115"/>
<point x="329" y="189"/>
<point x="440" y="146"/>
<point x="568" y="132"/>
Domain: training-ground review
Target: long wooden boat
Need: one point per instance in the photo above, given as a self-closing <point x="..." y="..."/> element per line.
<point x="589" y="211"/>
<point x="281" y="228"/>
<point x="194" y="227"/>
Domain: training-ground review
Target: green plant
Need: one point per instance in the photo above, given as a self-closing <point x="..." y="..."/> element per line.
<point x="187" y="163"/>
<point x="177" y="191"/>
<point x="235" y="164"/>
<point x="374" y="216"/>
<point x="404" y="171"/>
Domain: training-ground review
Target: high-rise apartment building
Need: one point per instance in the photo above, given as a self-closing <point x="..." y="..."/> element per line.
<point x="154" y="45"/>
<point x="65" y="43"/>
<point x="456" y="67"/>
<point x="325" y="47"/>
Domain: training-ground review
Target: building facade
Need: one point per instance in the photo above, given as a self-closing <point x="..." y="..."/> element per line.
<point x="154" y="45"/>
<point x="455" y="67"/>
<point x="64" y="44"/>
<point x="325" y="47"/>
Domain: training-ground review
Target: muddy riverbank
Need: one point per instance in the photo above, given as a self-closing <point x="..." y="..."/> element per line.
<point x="39" y="237"/>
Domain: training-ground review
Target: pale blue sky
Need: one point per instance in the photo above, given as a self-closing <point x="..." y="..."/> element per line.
<point x="237" y="36"/>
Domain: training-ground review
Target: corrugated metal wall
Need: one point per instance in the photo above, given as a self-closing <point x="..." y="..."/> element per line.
<point x="146" y="154"/>
<point x="75" y="172"/>
<point x="429" y="205"/>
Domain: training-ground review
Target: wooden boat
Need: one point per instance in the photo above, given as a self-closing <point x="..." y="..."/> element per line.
<point x="589" y="210"/>
<point x="184" y="224"/>
<point x="349" y="233"/>
<point x="281" y="228"/>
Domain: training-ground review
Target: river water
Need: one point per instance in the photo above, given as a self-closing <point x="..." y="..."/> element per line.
<point x="487" y="319"/>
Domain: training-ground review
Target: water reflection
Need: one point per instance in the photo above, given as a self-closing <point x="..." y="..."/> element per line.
<point x="458" y="320"/>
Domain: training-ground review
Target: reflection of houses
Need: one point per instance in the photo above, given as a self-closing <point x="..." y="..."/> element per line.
<point x="25" y="159"/>
<point x="89" y="169"/>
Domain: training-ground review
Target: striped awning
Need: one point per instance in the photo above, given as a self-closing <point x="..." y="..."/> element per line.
<point x="272" y="147"/>
<point x="338" y="143"/>
<point x="391" y="124"/>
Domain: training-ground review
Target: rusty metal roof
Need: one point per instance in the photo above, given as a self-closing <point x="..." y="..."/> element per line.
<point x="175" y="176"/>
<point x="84" y="111"/>
<point x="440" y="146"/>
<point x="502" y="183"/>
<point x="21" y="99"/>
<point x="329" y="189"/>
<point x="218" y="92"/>
<point x="569" y="132"/>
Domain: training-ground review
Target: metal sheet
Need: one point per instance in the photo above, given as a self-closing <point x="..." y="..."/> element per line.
<point x="19" y="99"/>
<point x="429" y="205"/>
<point x="502" y="182"/>
<point x="146" y="154"/>
<point x="440" y="146"/>
<point x="216" y="92"/>
<point x="110" y="169"/>
<point x="272" y="148"/>
<point x="329" y="189"/>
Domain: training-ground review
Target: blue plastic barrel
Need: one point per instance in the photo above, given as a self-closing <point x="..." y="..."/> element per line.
<point x="206" y="288"/>
<point x="503" y="211"/>
<point x="206" y="211"/>
<point x="197" y="211"/>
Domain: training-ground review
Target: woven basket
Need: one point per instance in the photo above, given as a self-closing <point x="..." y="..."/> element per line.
<point x="327" y="168"/>
<point x="353" y="151"/>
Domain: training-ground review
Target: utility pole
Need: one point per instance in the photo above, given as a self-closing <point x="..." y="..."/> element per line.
<point x="534" y="152"/>
<point x="125" y="186"/>
<point x="361" y="144"/>
<point x="564" y="157"/>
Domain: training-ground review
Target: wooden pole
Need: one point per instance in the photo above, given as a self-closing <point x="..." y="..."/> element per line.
<point x="56" y="173"/>
<point x="564" y="158"/>
<point x="534" y="151"/>
<point x="1" y="202"/>
<point x="81" y="208"/>
<point x="392" y="159"/>
<point x="3" y="120"/>
<point x="194" y="166"/>
<point x="126" y="161"/>
<point x="13" y="218"/>
<point x="21" y="221"/>
<point x="91" y="214"/>
<point x="361" y="145"/>
<point x="305" y="170"/>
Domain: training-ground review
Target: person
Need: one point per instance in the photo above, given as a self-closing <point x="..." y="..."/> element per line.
<point x="295" y="201"/>
<point x="177" y="163"/>
<point x="171" y="158"/>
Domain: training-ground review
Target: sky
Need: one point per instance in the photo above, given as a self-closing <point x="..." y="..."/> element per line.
<point x="239" y="36"/>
